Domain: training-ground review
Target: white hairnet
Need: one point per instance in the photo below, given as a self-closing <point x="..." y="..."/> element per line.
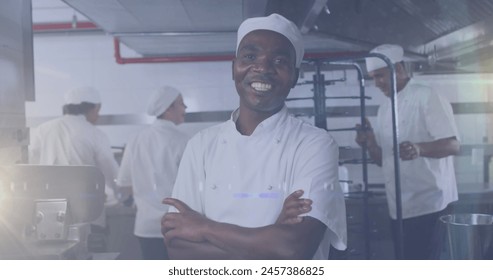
<point x="161" y="99"/>
<point x="82" y="94"/>
<point x="394" y="52"/>
<point x="276" y="23"/>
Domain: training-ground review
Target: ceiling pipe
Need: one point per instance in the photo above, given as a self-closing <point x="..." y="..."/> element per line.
<point x="208" y="58"/>
<point x="166" y="59"/>
<point x="319" y="55"/>
<point x="65" y="26"/>
<point x="89" y="26"/>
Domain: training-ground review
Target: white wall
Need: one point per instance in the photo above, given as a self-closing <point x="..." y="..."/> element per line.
<point x="63" y="61"/>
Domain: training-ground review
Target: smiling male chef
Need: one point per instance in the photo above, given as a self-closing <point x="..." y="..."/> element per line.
<point x="234" y="178"/>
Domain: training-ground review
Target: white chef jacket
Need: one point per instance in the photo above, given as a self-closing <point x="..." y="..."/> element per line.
<point x="427" y="184"/>
<point x="72" y="140"/>
<point x="244" y="180"/>
<point x="149" y="165"/>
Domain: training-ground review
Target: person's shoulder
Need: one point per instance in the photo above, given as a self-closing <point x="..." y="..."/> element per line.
<point x="304" y="126"/>
<point x="214" y="129"/>
<point x="134" y="137"/>
<point x="142" y="132"/>
<point x="420" y="87"/>
<point x="307" y="139"/>
<point x="182" y="135"/>
<point x="180" y="138"/>
<point x="427" y="95"/>
<point x="97" y="132"/>
<point x="209" y="133"/>
<point x="49" y="125"/>
<point x="421" y="92"/>
<point x="308" y="131"/>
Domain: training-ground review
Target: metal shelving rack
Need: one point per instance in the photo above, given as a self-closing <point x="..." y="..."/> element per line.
<point x="319" y="83"/>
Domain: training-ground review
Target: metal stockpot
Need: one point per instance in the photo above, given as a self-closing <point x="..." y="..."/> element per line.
<point x="470" y="236"/>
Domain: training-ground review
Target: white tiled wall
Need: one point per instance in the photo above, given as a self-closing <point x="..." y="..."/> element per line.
<point x="68" y="60"/>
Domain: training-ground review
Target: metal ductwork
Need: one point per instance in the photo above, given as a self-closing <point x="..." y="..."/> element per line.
<point x="439" y="35"/>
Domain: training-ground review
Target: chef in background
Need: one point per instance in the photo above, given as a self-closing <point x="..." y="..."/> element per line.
<point x="73" y="139"/>
<point x="150" y="164"/>
<point x="428" y="141"/>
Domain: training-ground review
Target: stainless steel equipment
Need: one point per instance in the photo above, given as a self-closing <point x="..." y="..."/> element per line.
<point x="470" y="236"/>
<point x="16" y="79"/>
<point x="45" y="210"/>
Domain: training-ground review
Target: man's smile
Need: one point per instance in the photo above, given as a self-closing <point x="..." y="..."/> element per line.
<point x="259" y="86"/>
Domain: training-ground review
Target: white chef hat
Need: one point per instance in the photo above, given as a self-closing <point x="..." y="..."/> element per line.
<point x="276" y="23"/>
<point x="394" y="52"/>
<point x="82" y="94"/>
<point x="161" y="99"/>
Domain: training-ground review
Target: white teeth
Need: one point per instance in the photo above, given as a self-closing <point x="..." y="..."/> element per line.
<point x="261" y="86"/>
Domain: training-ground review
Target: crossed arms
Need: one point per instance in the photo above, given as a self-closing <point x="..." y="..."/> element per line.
<point x="190" y="235"/>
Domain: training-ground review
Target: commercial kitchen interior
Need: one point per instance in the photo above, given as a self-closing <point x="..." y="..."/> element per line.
<point x="128" y="48"/>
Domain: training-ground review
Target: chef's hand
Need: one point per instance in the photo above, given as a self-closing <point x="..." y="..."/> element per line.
<point x="123" y="194"/>
<point x="187" y="224"/>
<point x="293" y="207"/>
<point x="409" y="151"/>
<point x="365" y="135"/>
